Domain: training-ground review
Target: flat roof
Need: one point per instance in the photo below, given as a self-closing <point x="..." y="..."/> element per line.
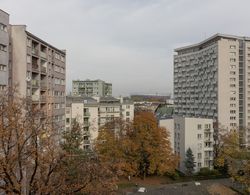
<point x="45" y="43"/>
<point x="218" y="35"/>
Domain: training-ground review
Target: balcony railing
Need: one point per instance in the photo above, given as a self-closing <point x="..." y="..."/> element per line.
<point x="35" y="98"/>
<point x="43" y="69"/>
<point x="35" y="83"/>
<point x="43" y="54"/>
<point x="35" y="51"/>
<point x="35" y="67"/>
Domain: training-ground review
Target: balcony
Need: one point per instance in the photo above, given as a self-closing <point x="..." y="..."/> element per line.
<point x="35" y="68"/>
<point x="35" y="51"/>
<point x="86" y="124"/>
<point x="35" y="83"/>
<point x="35" y="98"/>
<point x="43" y="54"/>
<point x="86" y="114"/>
<point x="86" y="142"/>
<point x="43" y="85"/>
<point x="43" y="98"/>
<point x="43" y="69"/>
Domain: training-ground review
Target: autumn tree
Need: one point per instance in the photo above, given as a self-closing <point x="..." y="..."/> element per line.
<point x="234" y="156"/>
<point x="153" y="147"/>
<point x="29" y="156"/>
<point x="140" y="148"/>
<point x="189" y="162"/>
<point x="82" y="170"/>
<point x="115" y="146"/>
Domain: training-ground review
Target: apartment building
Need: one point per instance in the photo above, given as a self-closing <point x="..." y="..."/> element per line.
<point x="38" y="72"/>
<point x="91" y="88"/>
<point x="193" y="133"/>
<point x="212" y="80"/>
<point x="4" y="50"/>
<point x="196" y="134"/>
<point x="93" y="112"/>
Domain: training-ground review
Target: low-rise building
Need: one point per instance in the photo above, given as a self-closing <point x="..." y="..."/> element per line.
<point x="92" y="113"/>
<point x="193" y="133"/>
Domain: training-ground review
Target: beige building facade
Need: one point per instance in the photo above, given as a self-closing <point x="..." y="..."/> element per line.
<point x="38" y="71"/>
<point x="212" y="80"/>
<point x="92" y="113"/>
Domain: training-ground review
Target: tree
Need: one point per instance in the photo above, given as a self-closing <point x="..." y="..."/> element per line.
<point x="82" y="170"/>
<point x="140" y="148"/>
<point x="189" y="162"/>
<point x="152" y="146"/>
<point x="235" y="157"/>
<point x="29" y="156"/>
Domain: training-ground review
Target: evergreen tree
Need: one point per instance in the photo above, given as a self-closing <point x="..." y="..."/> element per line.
<point x="189" y="162"/>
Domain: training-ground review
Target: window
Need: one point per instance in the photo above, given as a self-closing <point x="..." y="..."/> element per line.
<point x="232" y="118"/>
<point x="232" y="111"/>
<point x="199" y="126"/>
<point x="199" y="136"/>
<point x="199" y="164"/>
<point x="233" y="66"/>
<point x="3" y="67"/>
<point x="3" y="47"/>
<point x="67" y="120"/>
<point x="3" y="27"/>
<point x="232" y="79"/>
<point x="232" y="72"/>
<point x="2" y="87"/>
<point x="232" y="60"/>
<point x="232" y="105"/>
<point x="233" y="54"/>
<point x="199" y="155"/>
<point x="127" y="106"/>
<point x="232" y="85"/>
<point x="127" y="113"/>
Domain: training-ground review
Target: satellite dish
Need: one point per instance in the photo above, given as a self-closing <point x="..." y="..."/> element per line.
<point x="28" y="78"/>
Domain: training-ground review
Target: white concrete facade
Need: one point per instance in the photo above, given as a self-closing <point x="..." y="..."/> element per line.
<point x="194" y="133"/>
<point x="168" y="124"/>
<point x="197" y="134"/>
<point x="212" y="80"/>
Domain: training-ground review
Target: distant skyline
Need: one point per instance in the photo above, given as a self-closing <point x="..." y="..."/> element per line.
<point x="129" y="43"/>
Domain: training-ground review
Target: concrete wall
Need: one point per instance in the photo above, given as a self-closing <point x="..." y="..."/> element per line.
<point x="169" y="125"/>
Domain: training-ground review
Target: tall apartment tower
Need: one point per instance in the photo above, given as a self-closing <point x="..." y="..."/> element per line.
<point x="38" y="72"/>
<point x="91" y="88"/>
<point x="212" y="80"/>
<point x="4" y="50"/>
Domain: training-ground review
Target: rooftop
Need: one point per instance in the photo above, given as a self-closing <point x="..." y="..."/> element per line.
<point x="210" y="39"/>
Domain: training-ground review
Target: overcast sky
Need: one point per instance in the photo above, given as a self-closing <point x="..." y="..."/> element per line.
<point x="129" y="43"/>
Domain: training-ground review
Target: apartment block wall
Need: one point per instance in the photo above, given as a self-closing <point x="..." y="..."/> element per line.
<point x="211" y="80"/>
<point x="4" y="50"/>
<point x="91" y="88"/>
<point x="38" y="71"/>
<point x="196" y="134"/>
